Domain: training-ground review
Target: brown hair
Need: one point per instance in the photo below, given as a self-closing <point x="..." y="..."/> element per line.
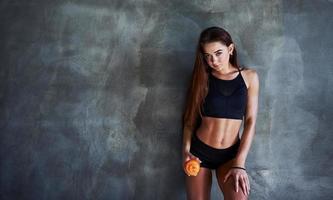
<point x="199" y="83"/>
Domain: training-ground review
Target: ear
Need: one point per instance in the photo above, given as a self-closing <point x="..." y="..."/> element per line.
<point x="231" y="48"/>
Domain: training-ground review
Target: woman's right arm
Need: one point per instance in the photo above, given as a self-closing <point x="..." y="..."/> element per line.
<point x="187" y="135"/>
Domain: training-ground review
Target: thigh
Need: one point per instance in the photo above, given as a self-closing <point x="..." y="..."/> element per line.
<point x="199" y="187"/>
<point x="228" y="188"/>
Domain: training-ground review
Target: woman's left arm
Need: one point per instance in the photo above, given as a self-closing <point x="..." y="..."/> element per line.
<point x="250" y="119"/>
<point x="239" y="175"/>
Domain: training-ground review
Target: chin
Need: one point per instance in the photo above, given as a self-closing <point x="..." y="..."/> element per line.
<point x="218" y="68"/>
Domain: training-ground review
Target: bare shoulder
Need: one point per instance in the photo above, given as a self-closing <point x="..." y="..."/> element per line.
<point x="250" y="76"/>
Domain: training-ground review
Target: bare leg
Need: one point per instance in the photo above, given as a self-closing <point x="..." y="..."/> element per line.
<point x="228" y="188"/>
<point x="199" y="187"/>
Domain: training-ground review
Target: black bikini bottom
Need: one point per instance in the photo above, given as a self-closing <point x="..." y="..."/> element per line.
<point x="212" y="157"/>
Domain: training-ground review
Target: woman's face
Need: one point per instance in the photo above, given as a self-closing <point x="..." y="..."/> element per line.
<point x="217" y="55"/>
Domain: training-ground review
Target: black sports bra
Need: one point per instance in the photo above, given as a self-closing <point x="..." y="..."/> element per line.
<point x="226" y="98"/>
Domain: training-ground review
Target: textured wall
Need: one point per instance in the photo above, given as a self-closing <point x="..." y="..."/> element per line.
<point x="91" y="95"/>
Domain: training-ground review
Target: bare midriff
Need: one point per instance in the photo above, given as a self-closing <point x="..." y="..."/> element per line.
<point x="219" y="133"/>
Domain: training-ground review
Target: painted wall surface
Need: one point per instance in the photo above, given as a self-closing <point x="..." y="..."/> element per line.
<point x="92" y="92"/>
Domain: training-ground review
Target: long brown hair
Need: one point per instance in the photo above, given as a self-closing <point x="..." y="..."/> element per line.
<point x="199" y="82"/>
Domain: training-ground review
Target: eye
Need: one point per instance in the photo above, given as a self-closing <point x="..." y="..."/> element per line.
<point x="218" y="53"/>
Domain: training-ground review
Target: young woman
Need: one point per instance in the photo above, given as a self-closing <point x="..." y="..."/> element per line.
<point x="222" y="94"/>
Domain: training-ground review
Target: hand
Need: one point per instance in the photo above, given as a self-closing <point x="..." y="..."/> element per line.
<point x="187" y="156"/>
<point x="239" y="175"/>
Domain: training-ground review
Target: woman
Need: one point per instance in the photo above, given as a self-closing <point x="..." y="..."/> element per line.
<point x="221" y="94"/>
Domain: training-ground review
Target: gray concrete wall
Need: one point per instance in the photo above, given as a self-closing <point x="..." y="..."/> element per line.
<point x="91" y="95"/>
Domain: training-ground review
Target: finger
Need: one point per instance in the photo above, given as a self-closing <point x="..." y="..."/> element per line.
<point x="248" y="185"/>
<point x="243" y="186"/>
<point x="191" y="156"/>
<point x="236" y="183"/>
<point x="187" y="173"/>
<point x="248" y="182"/>
<point x="198" y="159"/>
<point x="226" y="177"/>
<point x="184" y="170"/>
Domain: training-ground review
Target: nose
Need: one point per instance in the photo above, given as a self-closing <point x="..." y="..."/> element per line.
<point x="213" y="59"/>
